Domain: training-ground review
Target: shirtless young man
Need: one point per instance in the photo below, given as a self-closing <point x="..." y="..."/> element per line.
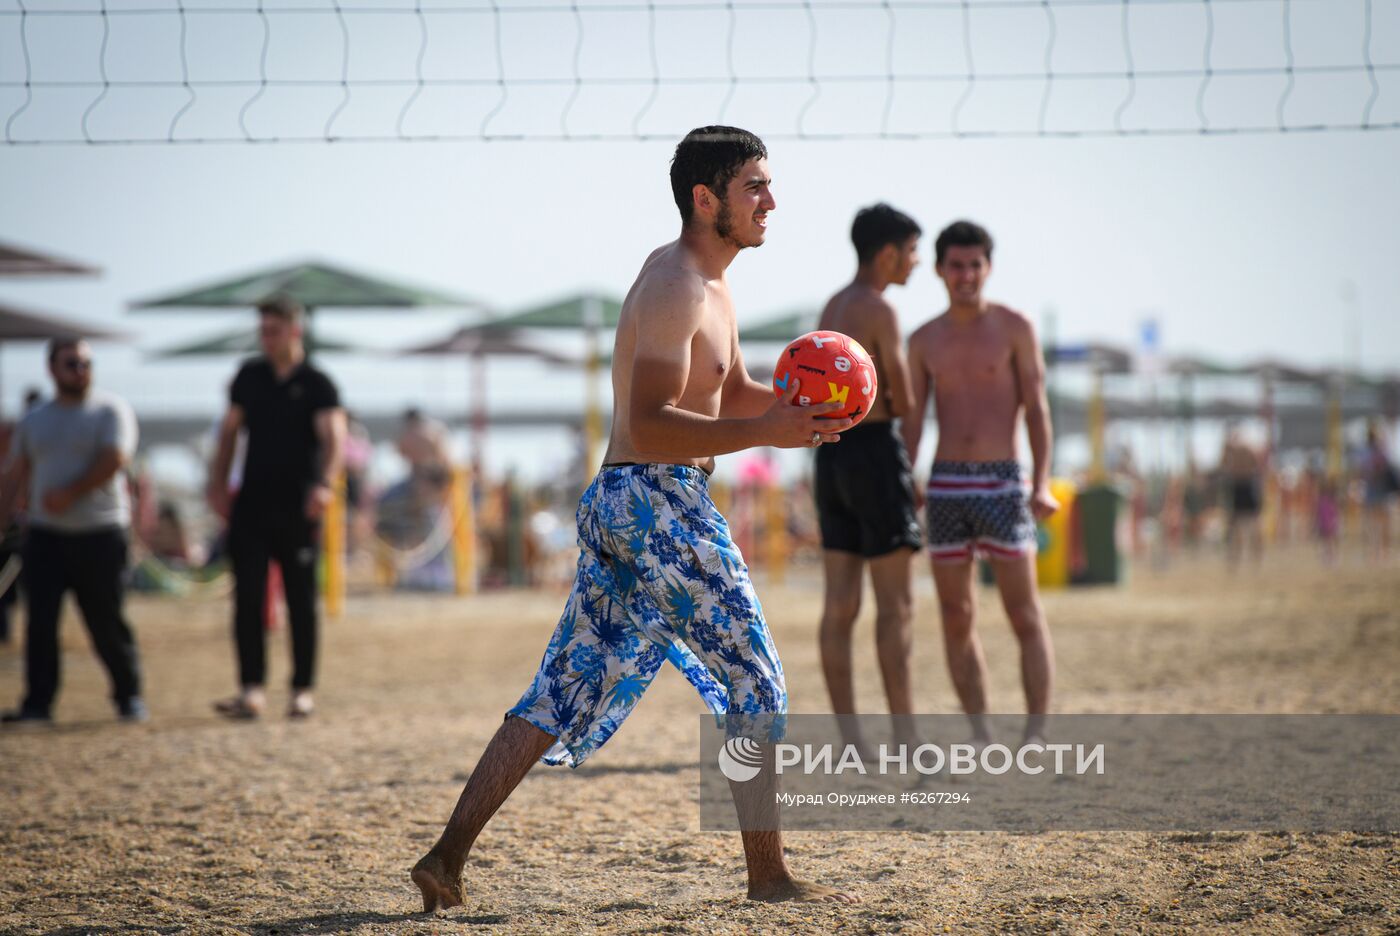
<point x="658" y="576"/>
<point x="864" y="486"/>
<point x="982" y="363"/>
<point x="1243" y="470"/>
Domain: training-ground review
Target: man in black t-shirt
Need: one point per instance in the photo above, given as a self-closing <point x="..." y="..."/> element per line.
<point x="295" y="439"/>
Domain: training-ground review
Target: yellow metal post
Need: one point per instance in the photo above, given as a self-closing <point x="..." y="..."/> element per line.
<point x="385" y="572"/>
<point x="333" y="541"/>
<point x="1098" y="465"/>
<point x="720" y="494"/>
<point x="463" y="532"/>
<point x="593" y="407"/>
<point x="776" y="535"/>
<point x="1334" y="432"/>
<point x="1270" y="511"/>
<point x="593" y="412"/>
<point x="1336" y="459"/>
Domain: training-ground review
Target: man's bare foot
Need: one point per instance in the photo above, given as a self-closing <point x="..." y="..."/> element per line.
<point x="785" y="889"/>
<point x="440" y="889"/>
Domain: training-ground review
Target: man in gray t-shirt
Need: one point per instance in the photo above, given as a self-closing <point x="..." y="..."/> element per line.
<point x="68" y="454"/>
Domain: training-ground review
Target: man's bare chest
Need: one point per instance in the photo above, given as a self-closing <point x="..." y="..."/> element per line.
<point x="711" y="354"/>
<point x="972" y="358"/>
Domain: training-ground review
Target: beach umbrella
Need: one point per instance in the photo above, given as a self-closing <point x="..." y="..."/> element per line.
<point x="783" y="328"/>
<point x="581" y="311"/>
<point x="589" y="312"/>
<point x="476" y="344"/>
<point x="20" y="261"/>
<point x="1185" y="365"/>
<point x="244" y="341"/>
<point x="1099" y="357"/>
<point x="1276" y="371"/>
<point x="28" y="325"/>
<point x="472" y="340"/>
<point x="315" y="285"/>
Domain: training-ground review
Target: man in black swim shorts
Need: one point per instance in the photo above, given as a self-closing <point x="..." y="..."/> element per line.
<point x="1243" y="470"/>
<point x="864" y="486"/>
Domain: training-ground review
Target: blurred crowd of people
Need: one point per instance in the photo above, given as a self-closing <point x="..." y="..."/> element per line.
<point x="1249" y="500"/>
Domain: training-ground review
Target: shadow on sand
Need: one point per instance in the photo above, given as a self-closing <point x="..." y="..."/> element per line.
<point x="602" y="770"/>
<point x="345" y="922"/>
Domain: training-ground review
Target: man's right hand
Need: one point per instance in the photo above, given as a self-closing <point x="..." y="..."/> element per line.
<point x="217" y="496"/>
<point x="787" y="425"/>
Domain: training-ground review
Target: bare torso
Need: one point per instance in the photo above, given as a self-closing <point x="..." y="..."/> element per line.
<point x="1239" y="462"/>
<point x="713" y="353"/>
<point x="971" y="368"/>
<point x="850" y="312"/>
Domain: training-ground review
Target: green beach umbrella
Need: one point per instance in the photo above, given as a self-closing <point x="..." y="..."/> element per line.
<point x="783" y="328"/>
<point x="583" y="311"/>
<point x="591" y="313"/>
<point x="315" y="285"/>
<point x="244" y="341"/>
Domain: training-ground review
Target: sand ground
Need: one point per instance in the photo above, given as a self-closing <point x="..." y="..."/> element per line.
<point x="192" y="824"/>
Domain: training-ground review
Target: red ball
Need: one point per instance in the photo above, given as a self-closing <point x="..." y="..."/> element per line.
<point x="830" y="368"/>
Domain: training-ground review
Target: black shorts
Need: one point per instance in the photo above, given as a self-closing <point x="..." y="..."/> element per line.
<point x="865" y="492"/>
<point x="1244" y="497"/>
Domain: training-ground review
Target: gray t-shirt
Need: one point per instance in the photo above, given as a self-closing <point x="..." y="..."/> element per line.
<point x="61" y="442"/>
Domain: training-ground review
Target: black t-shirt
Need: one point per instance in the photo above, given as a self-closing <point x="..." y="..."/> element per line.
<point x="283" y="456"/>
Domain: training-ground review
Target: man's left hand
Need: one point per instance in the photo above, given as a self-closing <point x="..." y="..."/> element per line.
<point x="58" y="500"/>
<point x="1043" y="504"/>
<point x="317" y="500"/>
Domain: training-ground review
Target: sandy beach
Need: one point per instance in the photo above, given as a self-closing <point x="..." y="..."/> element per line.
<point x="194" y="824"/>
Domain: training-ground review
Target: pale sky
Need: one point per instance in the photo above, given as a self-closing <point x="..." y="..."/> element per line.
<point x="1241" y="246"/>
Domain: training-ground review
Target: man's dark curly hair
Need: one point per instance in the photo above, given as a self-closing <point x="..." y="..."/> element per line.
<point x="962" y="234"/>
<point x="710" y="156"/>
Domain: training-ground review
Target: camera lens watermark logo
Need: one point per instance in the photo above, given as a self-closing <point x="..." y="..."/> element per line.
<point x="740" y="759"/>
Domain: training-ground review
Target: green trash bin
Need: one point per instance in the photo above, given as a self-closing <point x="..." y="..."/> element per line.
<point x="1099" y="507"/>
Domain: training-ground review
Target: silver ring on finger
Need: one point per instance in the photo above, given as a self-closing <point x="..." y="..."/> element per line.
<point x="816" y="438"/>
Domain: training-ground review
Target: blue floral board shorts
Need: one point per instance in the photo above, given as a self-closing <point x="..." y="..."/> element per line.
<point x="659" y="579"/>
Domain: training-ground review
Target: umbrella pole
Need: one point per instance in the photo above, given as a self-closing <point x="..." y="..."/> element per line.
<point x="477" y="383"/>
<point x="1097" y="470"/>
<point x="1051" y="390"/>
<point x="592" y="417"/>
<point x="308" y="332"/>
<point x="1335" y="450"/>
<point x="1188" y="421"/>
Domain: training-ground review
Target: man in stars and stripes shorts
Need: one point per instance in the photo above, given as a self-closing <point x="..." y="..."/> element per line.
<point x="978" y="508"/>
